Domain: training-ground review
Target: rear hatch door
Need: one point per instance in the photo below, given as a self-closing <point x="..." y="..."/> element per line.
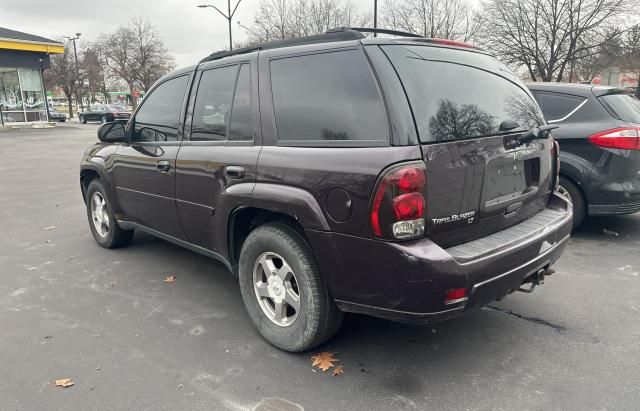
<point x="470" y="111"/>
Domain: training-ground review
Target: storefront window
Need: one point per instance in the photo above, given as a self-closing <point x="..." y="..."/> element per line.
<point x="10" y="95"/>
<point x="32" y="95"/>
<point x="21" y="95"/>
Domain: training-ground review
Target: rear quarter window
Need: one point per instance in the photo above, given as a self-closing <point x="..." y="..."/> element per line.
<point x="623" y="107"/>
<point x="557" y="106"/>
<point x="327" y="98"/>
<point x="458" y="95"/>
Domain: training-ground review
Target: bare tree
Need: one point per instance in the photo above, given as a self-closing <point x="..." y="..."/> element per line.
<point x="447" y="19"/>
<point x="281" y="19"/>
<point x="62" y="73"/>
<point x="545" y="36"/>
<point x="136" y="54"/>
<point x="630" y="55"/>
<point x="93" y="73"/>
<point x="119" y="57"/>
<point x="151" y="56"/>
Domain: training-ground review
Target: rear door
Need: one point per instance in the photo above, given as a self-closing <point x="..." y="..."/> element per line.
<point x="145" y="169"/>
<point x="216" y="165"/>
<point x="469" y="111"/>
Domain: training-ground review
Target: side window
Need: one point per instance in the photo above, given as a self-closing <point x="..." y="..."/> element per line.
<point x="556" y="106"/>
<point x="159" y="116"/>
<point x="213" y="104"/>
<point x="327" y="97"/>
<point x="241" y="126"/>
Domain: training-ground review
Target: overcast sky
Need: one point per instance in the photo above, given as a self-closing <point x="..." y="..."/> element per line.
<point x="189" y="32"/>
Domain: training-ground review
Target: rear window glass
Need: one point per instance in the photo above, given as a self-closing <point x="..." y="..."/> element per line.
<point x="557" y="106"/>
<point x="452" y="100"/>
<point x="623" y="106"/>
<point x="327" y="97"/>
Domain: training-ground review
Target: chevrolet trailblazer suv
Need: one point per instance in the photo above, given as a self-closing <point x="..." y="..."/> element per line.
<point x="406" y="178"/>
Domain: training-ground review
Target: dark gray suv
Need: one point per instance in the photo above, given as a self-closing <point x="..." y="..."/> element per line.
<point x="599" y="137"/>
<point x="408" y="178"/>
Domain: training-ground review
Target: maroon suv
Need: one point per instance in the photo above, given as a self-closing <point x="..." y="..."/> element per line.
<point x="406" y="178"/>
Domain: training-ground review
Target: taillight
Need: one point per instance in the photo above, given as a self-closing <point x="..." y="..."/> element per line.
<point x="398" y="206"/>
<point x="623" y="138"/>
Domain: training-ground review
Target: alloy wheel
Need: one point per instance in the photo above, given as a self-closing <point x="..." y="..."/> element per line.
<point x="276" y="289"/>
<point x="99" y="214"/>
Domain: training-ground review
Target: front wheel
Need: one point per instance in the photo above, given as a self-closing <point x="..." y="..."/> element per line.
<point x="283" y="290"/>
<point x="82" y="119"/>
<point x="104" y="226"/>
<point x="103" y="120"/>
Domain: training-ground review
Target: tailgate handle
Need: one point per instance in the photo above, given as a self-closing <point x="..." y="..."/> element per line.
<point x="512" y="208"/>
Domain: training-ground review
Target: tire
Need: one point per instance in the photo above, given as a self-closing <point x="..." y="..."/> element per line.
<point x="103" y="120"/>
<point x="577" y="199"/>
<point x="317" y="318"/>
<point x="111" y="235"/>
<point x="82" y="119"/>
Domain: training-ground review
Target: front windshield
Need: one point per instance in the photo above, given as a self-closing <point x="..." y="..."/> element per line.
<point x="459" y="94"/>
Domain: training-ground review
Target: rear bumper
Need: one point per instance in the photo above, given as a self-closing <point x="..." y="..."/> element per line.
<point x="408" y="281"/>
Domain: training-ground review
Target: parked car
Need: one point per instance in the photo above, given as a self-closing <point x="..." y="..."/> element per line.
<point x="104" y="113"/>
<point x="599" y="137"/>
<point x="299" y="166"/>
<point x="55" y="115"/>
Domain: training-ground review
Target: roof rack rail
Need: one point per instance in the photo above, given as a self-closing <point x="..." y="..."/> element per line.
<point x="373" y="30"/>
<point x="328" y="37"/>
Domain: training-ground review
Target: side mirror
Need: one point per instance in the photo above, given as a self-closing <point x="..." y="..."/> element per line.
<point x="112" y="132"/>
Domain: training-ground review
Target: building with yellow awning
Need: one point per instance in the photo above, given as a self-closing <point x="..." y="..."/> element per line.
<point x="23" y="58"/>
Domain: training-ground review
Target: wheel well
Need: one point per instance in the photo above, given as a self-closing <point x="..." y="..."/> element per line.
<point x="86" y="177"/>
<point x="244" y="220"/>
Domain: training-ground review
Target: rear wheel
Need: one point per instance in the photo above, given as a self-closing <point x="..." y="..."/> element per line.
<point x="104" y="226"/>
<point x="283" y="290"/>
<point x="574" y="194"/>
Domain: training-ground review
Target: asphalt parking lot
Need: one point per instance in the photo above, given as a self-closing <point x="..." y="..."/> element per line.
<point x="106" y="319"/>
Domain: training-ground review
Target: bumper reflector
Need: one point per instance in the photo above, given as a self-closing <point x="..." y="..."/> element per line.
<point x="454" y="296"/>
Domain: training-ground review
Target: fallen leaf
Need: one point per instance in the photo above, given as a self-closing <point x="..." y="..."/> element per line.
<point x="170" y="279"/>
<point x="610" y="233"/>
<point x="53" y="227"/>
<point x="323" y="360"/>
<point x="64" y="382"/>
<point x="46" y="337"/>
<point x="339" y="370"/>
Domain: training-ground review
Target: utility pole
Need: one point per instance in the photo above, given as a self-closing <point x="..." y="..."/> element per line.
<point x="228" y="16"/>
<point x="75" y="55"/>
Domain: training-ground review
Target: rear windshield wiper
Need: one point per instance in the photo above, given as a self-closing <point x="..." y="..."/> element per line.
<point x="536" y="133"/>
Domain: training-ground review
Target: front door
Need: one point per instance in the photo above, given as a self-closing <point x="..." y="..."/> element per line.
<point x="216" y="165"/>
<point x="145" y="169"/>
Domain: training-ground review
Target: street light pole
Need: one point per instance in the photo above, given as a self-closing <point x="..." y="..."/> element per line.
<point x="75" y="55"/>
<point x="228" y="16"/>
<point x="375" y="17"/>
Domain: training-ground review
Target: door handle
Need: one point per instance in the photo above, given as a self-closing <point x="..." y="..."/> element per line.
<point x="234" y="171"/>
<point x="163" y="166"/>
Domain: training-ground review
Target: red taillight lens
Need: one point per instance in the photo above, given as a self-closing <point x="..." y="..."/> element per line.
<point x="456" y="295"/>
<point x="623" y="138"/>
<point x="408" y="206"/>
<point x="398" y="205"/>
<point x="409" y="178"/>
